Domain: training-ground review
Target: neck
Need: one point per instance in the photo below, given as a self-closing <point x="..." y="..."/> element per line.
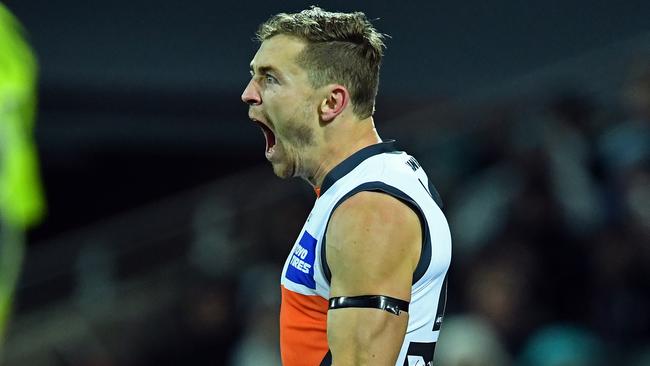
<point x="341" y="143"/>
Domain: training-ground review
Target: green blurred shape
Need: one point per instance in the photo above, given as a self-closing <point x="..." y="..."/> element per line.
<point x="21" y="197"/>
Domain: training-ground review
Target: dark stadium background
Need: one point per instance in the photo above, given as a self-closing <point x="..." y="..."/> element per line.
<point x="166" y="227"/>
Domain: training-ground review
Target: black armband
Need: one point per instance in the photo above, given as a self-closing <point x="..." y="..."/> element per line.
<point x="390" y="304"/>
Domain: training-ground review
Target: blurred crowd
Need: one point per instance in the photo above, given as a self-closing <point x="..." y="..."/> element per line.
<point x="550" y="213"/>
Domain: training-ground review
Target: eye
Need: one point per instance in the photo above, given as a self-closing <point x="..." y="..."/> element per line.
<point x="270" y="79"/>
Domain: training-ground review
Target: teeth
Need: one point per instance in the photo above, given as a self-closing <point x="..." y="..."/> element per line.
<point x="269" y="152"/>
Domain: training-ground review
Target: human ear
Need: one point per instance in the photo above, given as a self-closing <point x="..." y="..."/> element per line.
<point x="335" y="102"/>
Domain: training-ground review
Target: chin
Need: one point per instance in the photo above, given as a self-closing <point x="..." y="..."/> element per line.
<point x="283" y="171"/>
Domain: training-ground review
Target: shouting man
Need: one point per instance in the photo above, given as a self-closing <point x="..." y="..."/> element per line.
<point x="365" y="282"/>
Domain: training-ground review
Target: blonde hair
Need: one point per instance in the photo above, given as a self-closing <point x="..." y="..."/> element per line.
<point x="342" y="48"/>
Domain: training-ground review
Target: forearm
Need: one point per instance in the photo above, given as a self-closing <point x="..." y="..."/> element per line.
<point x="360" y="337"/>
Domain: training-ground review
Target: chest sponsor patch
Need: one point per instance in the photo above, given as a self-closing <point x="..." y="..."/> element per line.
<point x="301" y="263"/>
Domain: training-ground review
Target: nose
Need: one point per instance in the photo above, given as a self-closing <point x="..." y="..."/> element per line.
<point x="251" y="95"/>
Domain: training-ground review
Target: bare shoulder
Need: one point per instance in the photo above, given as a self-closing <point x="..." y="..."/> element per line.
<point x="370" y="236"/>
<point x="374" y="208"/>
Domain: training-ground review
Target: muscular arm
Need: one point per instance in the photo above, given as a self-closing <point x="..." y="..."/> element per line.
<point x="373" y="246"/>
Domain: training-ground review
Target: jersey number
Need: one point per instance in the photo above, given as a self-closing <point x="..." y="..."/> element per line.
<point x="420" y="354"/>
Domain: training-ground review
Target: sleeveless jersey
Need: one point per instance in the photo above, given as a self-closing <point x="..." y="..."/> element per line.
<point x="305" y="278"/>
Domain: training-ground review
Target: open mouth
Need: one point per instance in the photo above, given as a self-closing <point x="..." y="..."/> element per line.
<point x="268" y="135"/>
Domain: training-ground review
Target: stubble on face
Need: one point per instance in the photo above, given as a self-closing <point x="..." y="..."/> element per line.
<point x="301" y="135"/>
<point x="298" y="141"/>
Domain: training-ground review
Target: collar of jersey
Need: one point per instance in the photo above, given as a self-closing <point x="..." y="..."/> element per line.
<point x="347" y="165"/>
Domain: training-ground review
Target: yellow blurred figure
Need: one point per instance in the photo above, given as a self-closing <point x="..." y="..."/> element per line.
<point x="21" y="199"/>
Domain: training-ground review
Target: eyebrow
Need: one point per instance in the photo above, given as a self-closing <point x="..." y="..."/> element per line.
<point x="266" y="69"/>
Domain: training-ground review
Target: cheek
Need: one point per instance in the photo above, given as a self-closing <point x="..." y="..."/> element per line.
<point x="301" y="135"/>
<point x="276" y="107"/>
